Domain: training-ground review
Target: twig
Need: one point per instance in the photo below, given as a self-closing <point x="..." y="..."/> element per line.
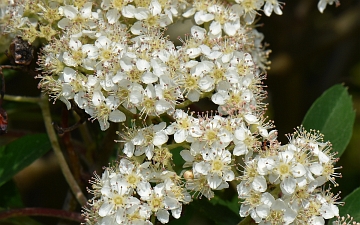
<point x="41" y="212"/>
<point x="44" y="105"/>
<point x="22" y="99"/>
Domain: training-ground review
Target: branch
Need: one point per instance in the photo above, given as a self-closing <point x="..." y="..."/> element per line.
<point x="41" y="212"/>
<point x="44" y="105"/>
<point x="22" y="99"/>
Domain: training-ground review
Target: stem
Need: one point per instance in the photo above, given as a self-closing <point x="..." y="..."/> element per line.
<point x="153" y="219"/>
<point x="42" y="212"/>
<point x="172" y="146"/>
<point x="72" y="156"/>
<point x="22" y="99"/>
<point x="248" y="220"/>
<point x="127" y="112"/>
<point x="44" y="105"/>
<point x="183" y="104"/>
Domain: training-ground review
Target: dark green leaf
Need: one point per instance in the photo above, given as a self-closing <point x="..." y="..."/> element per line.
<point x="19" y="221"/>
<point x="233" y="205"/>
<point x="351" y="206"/>
<point x="333" y="115"/>
<point x="220" y="214"/>
<point x="21" y="153"/>
<point x="10" y="196"/>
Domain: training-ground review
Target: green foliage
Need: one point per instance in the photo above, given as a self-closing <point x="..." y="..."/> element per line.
<point x="333" y="115"/>
<point x="351" y="206"/>
<point x="21" y="153"/>
<point x="10" y="196"/>
<point x="19" y="221"/>
<point x="219" y="214"/>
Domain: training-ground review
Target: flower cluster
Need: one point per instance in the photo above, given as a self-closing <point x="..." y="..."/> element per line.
<point x="91" y="59"/>
<point x="129" y="193"/>
<point x="112" y="59"/>
<point x="283" y="184"/>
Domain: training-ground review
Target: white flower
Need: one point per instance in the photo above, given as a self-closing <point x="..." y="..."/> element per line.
<point x="116" y="199"/>
<point x="287" y="170"/>
<point x="216" y="167"/>
<point x="104" y="110"/>
<point x="243" y="140"/>
<point x="322" y="4"/>
<point x="185" y="127"/>
<point x="144" y="140"/>
<point x="280" y="208"/>
<point x="272" y="5"/>
<point x="72" y="13"/>
<point x="157" y="200"/>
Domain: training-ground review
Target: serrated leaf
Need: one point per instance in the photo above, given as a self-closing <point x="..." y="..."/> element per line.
<point x="333" y="115"/>
<point x="21" y="153"/>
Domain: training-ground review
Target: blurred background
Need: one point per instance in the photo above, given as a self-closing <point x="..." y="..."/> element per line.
<point x="310" y="53"/>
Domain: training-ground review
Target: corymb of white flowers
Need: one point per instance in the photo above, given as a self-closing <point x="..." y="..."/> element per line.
<point x="112" y="59"/>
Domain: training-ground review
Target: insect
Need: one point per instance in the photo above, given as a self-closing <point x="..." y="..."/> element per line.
<point x="20" y="54"/>
<point x="265" y="145"/>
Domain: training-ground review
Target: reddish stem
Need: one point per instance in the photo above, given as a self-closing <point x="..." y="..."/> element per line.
<point x="41" y="212"/>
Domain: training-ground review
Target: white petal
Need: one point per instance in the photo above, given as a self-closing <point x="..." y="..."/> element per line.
<point x="142" y="13"/>
<point x="106" y="209"/>
<point x="288" y="185"/>
<point x="215" y="28"/>
<point x="316" y="169"/>
<point x="214" y="181"/>
<point x="263" y="211"/>
<point x="162" y="215"/>
<point x="117" y="116"/>
<point x="298" y="170"/>
<point x="69" y="74"/>
<point x="202" y="167"/>
<point x="160" y="138"/>
<point x="240" y="149"/>
<point x="180" y="136"/>
<point x="189" y="13"/>
<point x="70" y="11"/>
<point x="259" y="184"/>
<point x="142" y="64"/>
<point x="144" y="190"/>
<point x="322" y="5"/>
<point x="128" y="11"/>
<point x="219" y="98"/>
<point x="149" y="78"/>
<point x="155" y="7"/>
<point x="185" y="154"/>
<point x="129" y="149"/>
<point x="268" y="8"/>
<point x="176" y="213"/>
<point x="228" y="175"/>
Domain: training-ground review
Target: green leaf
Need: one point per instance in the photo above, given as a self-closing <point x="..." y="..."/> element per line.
<point x="10" y="196"/>
<point x="351" y="206"/>
<point x="219" y="214"/>
<point x="19" y="221"/>
<point x="233" y="205"/>
<point x="21" y="153"/>
<point x="333" y="115"/>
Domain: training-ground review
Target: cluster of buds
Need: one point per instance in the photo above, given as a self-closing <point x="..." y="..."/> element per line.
<point x="112" y="59"/>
